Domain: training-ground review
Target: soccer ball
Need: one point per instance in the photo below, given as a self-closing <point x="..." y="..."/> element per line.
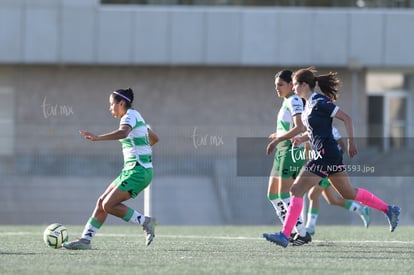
<point x="55" y="235"/>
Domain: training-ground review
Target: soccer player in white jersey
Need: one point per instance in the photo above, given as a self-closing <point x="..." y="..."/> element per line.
<point x="330" y="195"/>
<point x="327" y="161"/>
<point x="136" y="139"/>
<point x="287" y="161"/>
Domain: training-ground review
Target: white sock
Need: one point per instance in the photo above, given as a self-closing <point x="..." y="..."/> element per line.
<point x="355" y="207"/>
<point x="280" y="208"/>
<point x="311" y="220"/>
<point x="89" y="232"/>
<point x="137" y="218"/>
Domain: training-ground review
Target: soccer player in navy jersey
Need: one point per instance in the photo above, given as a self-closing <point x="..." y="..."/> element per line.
<point x="330" y="195"/>
<point x="326" y="160"/>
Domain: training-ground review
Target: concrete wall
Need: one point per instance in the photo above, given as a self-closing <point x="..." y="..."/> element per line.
<point x="181" y="199"/>
<point x="86" y="32"/>
<point x="182" y="104"/>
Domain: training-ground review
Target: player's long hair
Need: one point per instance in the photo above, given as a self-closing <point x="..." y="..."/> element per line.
<point x="328" y="83"/>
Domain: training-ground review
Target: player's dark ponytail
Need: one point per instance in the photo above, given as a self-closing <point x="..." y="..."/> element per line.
<point x="328" y="83"/>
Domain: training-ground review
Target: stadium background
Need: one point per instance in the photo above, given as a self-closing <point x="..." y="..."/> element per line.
<point x="203" y="77"/>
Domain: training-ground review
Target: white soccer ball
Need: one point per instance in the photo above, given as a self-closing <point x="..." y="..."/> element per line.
<point x="55" y="235"/>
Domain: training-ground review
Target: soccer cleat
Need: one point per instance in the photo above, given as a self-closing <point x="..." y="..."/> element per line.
<point x="299" y="240"/>
<point x="392" y="215"/>
<point x="292" y="236"/>
<point x="311" y="230"/>
<point x="81" y="244"/>
<point x="365" y="215"/>
<point x="149" y="229"/>
<point x="277" y="238"/>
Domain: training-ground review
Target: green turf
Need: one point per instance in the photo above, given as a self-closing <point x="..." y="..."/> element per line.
<point x="210" y="250"/>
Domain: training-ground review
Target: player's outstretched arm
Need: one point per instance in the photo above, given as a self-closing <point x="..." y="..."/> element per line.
<point x="120" y="133"/>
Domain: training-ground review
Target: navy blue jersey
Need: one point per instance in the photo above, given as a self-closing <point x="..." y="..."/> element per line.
<point x="317" y="117"/>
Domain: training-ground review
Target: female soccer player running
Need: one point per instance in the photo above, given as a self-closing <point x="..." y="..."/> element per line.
<point x="327" y="161"/>
<point x="324" y="187"/>
<point x="286" y="166"/>
<point x="136" y="139"/>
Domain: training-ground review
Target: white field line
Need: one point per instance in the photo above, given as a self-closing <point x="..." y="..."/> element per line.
<point x="213" y="238"/>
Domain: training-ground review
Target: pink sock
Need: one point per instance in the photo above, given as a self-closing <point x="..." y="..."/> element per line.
<point x="293" y="213"/>
<point x="369" y="199"/>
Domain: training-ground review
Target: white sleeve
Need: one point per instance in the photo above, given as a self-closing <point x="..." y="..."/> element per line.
<point x="333" y="114"/>
<point x="128" y="119"/>
<point x="336" y="133"/>
<point x="295" y="106"/>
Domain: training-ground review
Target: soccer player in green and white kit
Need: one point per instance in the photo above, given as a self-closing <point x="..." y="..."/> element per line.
<point x="136" y="139"/>
<point x="288" y="159"/>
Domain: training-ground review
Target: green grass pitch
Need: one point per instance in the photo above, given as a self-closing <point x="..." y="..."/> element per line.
<point x="210" y="250"/>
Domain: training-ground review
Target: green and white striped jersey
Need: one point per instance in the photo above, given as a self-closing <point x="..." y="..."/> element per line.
<point x="291" y="106"/>
<point x="136" y="147"/>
